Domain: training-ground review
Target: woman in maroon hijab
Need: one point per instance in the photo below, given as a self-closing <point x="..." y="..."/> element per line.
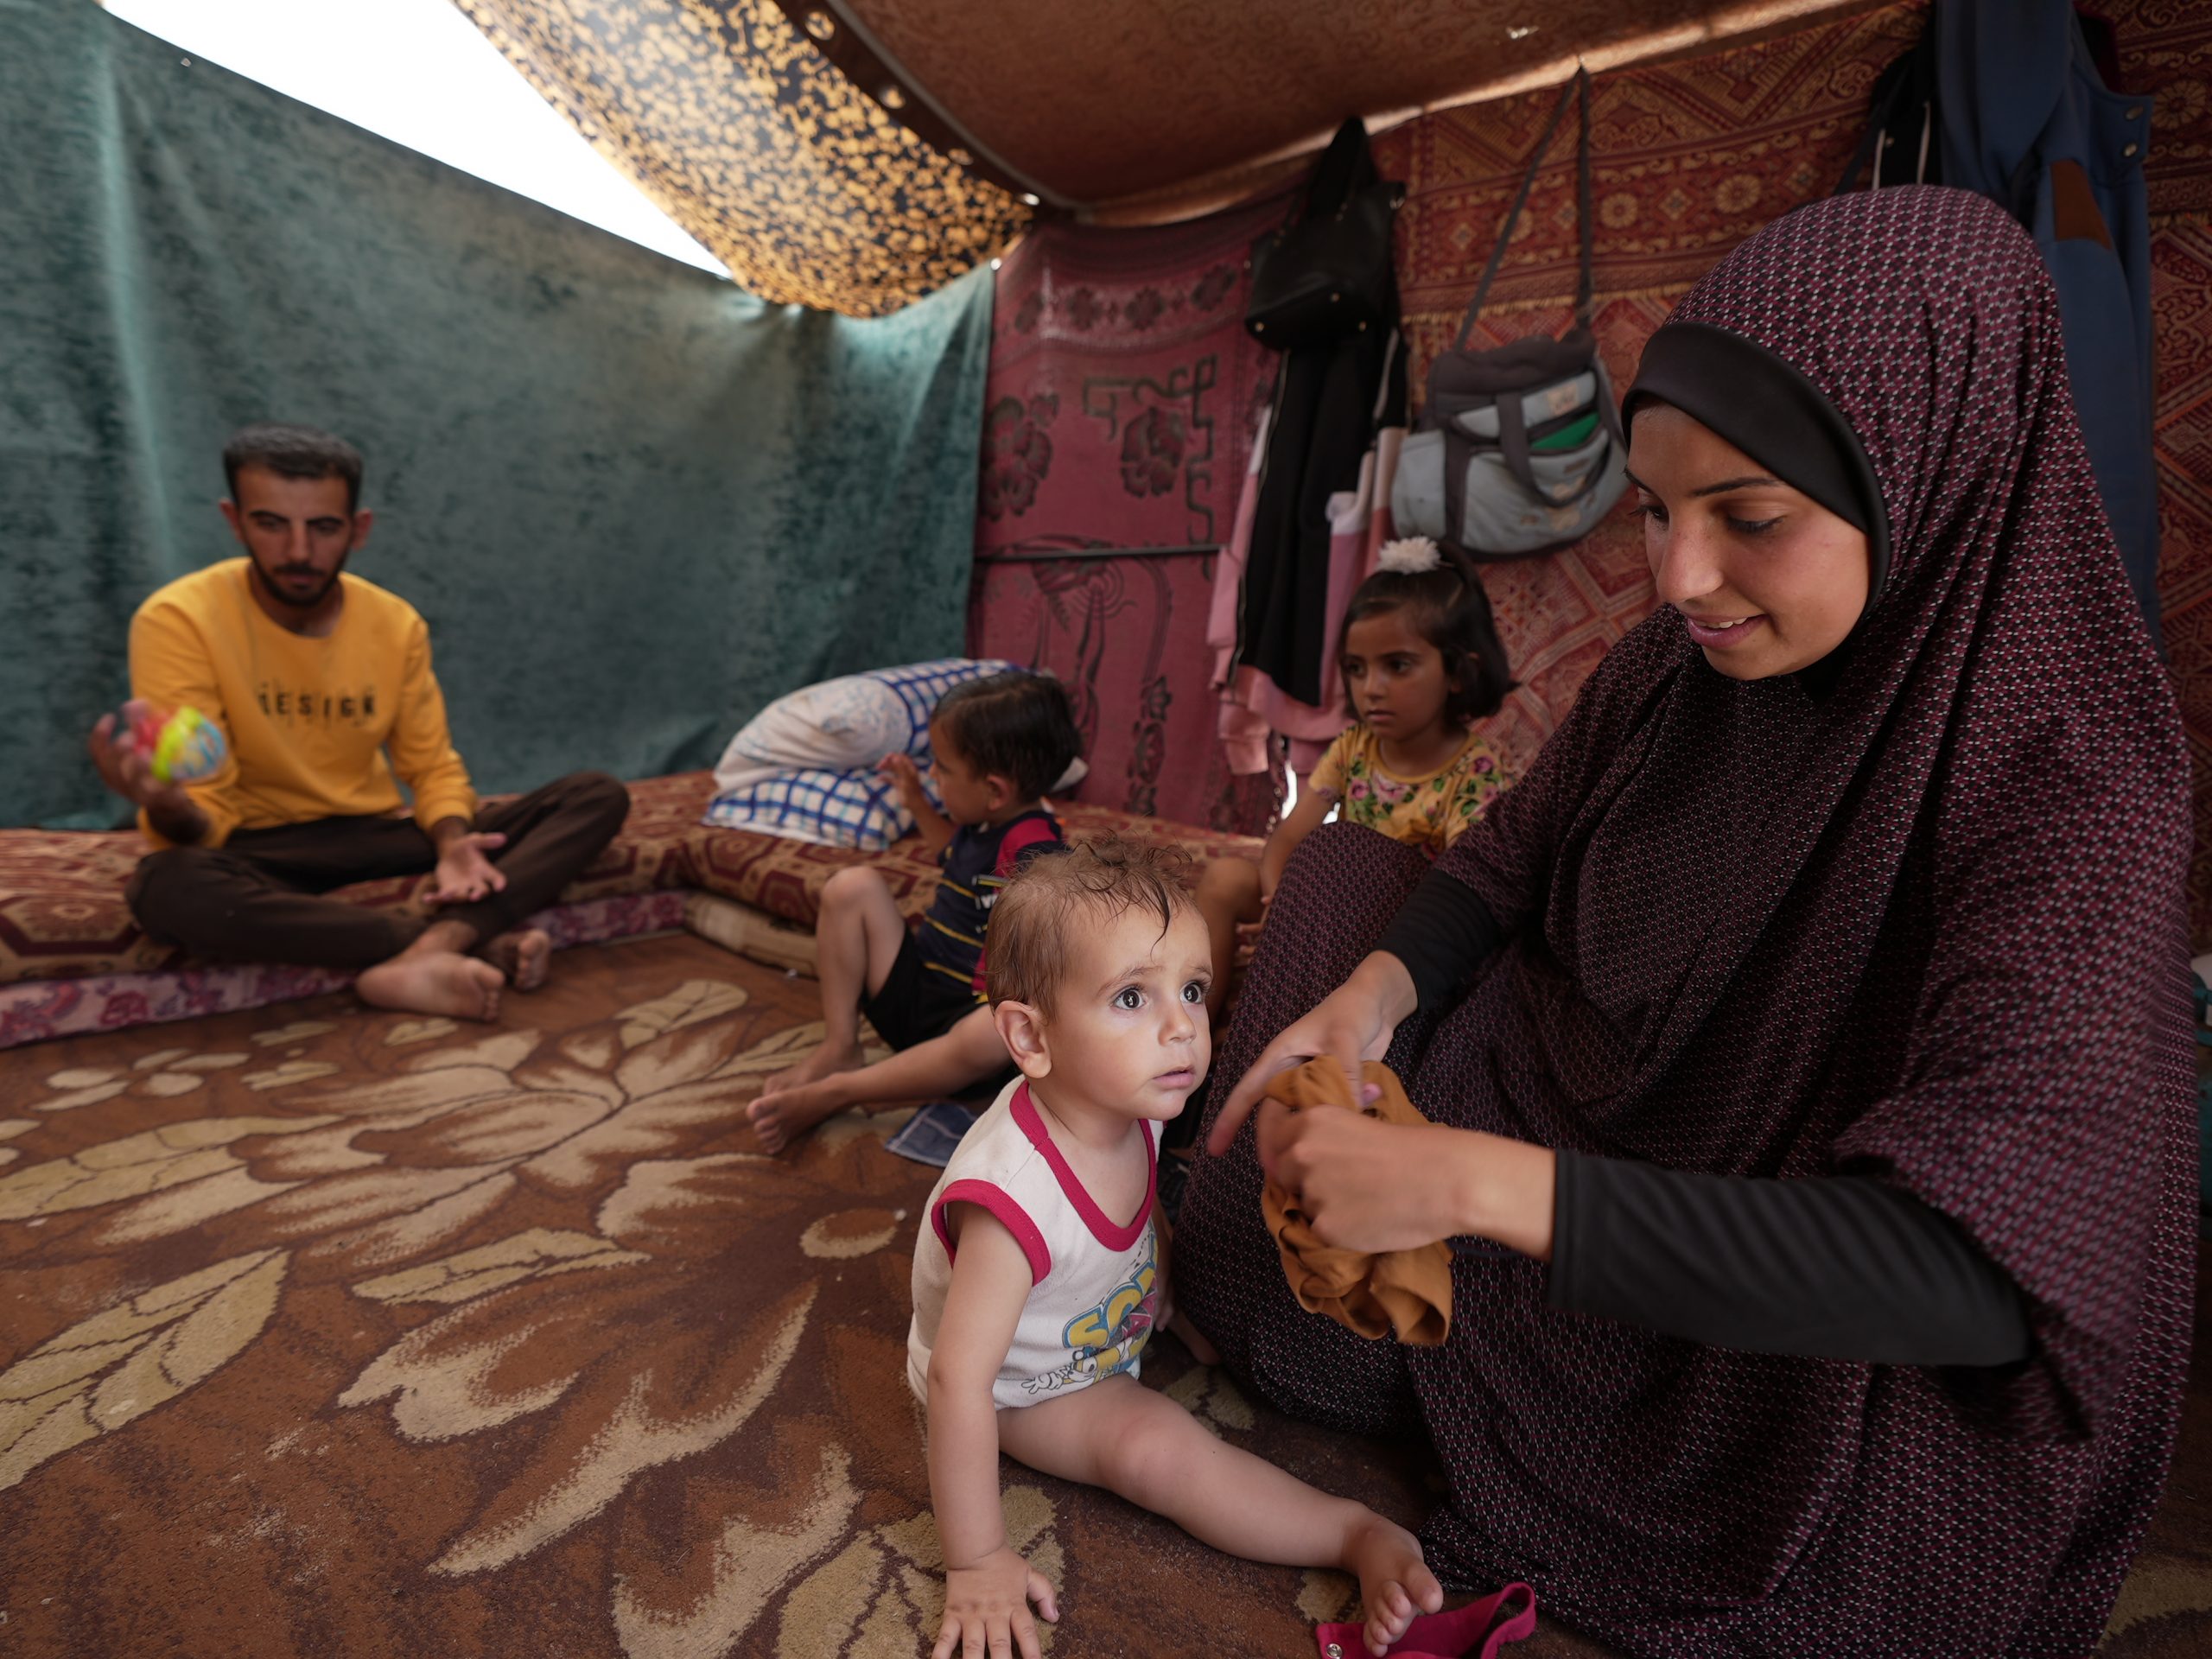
<point x="1805" y="1036"/>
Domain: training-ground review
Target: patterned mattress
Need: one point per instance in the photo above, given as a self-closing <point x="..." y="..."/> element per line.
<point x="72" y="959"/>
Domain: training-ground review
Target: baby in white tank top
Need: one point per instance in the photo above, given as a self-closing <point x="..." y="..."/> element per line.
<point x="1094" y="1295"/>
<point x="1042" y="1265"/>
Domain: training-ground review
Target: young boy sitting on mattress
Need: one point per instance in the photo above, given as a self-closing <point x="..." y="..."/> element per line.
<point x="1041" y="1268"/>
<point x="997" y="745"/>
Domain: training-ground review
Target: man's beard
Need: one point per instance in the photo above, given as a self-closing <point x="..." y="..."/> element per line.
<point x="278" y="582"/>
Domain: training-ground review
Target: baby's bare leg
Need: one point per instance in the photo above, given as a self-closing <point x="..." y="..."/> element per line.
<point x="856" y="940"/>
<point x="1121" y="1435"/>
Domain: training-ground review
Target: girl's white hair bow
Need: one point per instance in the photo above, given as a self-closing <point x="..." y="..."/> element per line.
<point x="1409" y="555"/>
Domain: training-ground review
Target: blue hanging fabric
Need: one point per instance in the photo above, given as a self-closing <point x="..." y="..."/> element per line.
<point x="2023" y="115"/>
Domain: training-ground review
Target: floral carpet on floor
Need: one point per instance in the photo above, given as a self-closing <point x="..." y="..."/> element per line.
<point x="335" y="1333"/>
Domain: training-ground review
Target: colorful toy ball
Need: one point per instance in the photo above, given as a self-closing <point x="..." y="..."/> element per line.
<point x="185" y="748"/>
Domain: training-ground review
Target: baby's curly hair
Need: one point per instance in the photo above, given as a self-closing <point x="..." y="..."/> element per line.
<point x="1026" y="947"/>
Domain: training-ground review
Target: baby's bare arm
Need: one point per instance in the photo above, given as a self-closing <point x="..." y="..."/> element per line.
<point x="987" y="1585"/>
<point x="991" y="1282"/>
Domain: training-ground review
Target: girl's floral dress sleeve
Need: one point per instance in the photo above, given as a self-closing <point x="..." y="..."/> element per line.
<point x="1328" y="777"/>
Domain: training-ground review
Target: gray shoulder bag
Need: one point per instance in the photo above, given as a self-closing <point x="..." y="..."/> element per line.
<point x="1520" y="449"/>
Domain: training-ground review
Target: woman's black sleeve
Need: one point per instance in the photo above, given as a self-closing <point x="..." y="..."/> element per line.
<point x="1835" y="1267"/>
<point x="1442" y="934"/>
<point x="1831" y="1267"/>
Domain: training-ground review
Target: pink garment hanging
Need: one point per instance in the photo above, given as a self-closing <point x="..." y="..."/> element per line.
<point x="1253" y="709"/>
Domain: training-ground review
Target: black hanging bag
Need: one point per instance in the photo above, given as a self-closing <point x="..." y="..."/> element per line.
<point x="1900" y="140"/>
<point x="1329" y="273"/>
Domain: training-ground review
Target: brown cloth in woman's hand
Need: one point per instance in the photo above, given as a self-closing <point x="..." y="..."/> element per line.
<point x="1409" y="1291"/>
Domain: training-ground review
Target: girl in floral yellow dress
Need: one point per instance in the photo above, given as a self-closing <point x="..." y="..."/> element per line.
<point x="1421" y="663"/>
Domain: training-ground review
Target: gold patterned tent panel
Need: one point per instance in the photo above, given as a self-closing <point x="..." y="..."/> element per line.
<point x="856" y="154"/>
<point x="745" y="134"/>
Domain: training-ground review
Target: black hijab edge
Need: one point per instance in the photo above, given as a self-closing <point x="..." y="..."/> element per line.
<point x="1770" y="411"/>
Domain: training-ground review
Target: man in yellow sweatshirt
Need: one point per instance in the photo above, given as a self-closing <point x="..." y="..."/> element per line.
<point x="322" y="683"/>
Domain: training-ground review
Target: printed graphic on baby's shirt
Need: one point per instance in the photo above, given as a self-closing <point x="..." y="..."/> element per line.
<point x="1109" y="1338"/>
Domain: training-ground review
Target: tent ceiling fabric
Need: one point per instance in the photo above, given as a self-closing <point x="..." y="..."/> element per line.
<point x="745" y="135"/>
<point x="1093" y="104"/>
<point x="732" y="116"/>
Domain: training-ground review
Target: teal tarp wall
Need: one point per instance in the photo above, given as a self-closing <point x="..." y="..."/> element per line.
<point x="634" y="503"/>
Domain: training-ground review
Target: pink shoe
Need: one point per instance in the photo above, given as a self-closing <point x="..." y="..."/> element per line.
<point x="1445" y="1636"/>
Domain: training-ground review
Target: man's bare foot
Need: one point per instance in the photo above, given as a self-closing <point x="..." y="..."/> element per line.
<point x="433" y="981"/>
<point x="779" y="1119"/>
<point x="1395" y="1583"/>
<point x="523" y="956"/>
<point x="824" y="1062"/>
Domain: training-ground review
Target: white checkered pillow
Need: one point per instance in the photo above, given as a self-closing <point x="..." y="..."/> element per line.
<point x="805" y="766"/>
<point x="920" y="687"/>
<point x="856" y="808"/>
<point x="846" y="724"/>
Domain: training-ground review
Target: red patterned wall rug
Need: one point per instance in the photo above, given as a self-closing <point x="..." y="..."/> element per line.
<point x="1692" y="157"/>
<point x="2180" y="303"/>
<point x="1119" y="413"/>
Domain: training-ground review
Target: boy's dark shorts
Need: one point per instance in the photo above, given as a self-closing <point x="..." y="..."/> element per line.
<point x="917" y="1002"/>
